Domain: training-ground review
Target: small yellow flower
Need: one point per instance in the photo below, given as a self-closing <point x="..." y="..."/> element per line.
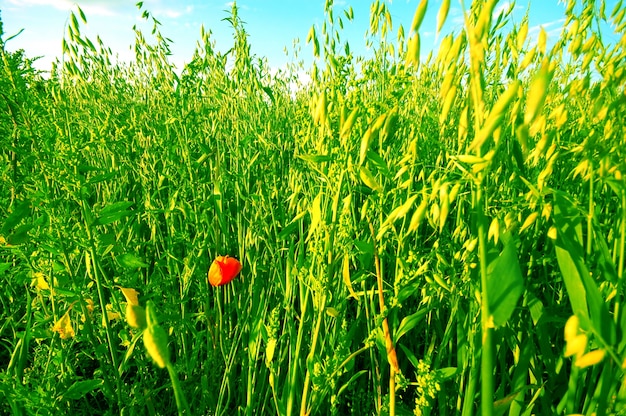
<point x="571" y="327"/>
<point x="40" y="282"/>
<point x="64" y="326"/>
<point x="89" y="305"/>
<point x="576" y="346"/>
<point x="111" y="314"/>
<point x="591" y="358"/>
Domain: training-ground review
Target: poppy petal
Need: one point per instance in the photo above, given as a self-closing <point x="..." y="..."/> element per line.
<point x="223" y="270"/>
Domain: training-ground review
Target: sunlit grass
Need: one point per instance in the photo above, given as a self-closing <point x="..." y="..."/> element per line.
<point x="444" y="236"/>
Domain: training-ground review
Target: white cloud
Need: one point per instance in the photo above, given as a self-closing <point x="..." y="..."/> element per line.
<point x="91" y="8"/>
<point x="57" y="4"/>
<point x="172" y="13"/>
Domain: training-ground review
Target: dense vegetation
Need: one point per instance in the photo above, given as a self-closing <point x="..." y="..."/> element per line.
<point x="415" y="234"/>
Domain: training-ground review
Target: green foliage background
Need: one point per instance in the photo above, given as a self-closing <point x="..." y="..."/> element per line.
<point x="484" y="186"/>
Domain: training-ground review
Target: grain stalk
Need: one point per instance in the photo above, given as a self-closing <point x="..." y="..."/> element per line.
<point x="390" y="348"/>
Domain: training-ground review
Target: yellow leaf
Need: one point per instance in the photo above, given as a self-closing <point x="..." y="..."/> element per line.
<point x="130" y="295"/>
<point x="346" y="275"/>
<point x="155" y="338"/>
<point x="269" y="351"/>
<point x="316" y="213"/>
<point x="40" y="282"/>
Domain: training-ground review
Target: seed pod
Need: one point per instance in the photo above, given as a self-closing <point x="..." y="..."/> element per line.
<point x="418" y="215"/>
<point x="135" y="316"/>
<point x="155" y="340"/>
<point x="443" y="13"/>
<point x="413" y="51"/>
<point x="346" y="127"/>
<point x="419" y="16"/>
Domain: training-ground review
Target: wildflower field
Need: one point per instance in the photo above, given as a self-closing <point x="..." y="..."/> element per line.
<point x="400" y="235"/>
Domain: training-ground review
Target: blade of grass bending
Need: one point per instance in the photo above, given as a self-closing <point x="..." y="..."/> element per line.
<point x="391" y="351"/>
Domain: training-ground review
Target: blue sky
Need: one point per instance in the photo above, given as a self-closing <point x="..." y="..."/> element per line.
<point x="272" y="25"/>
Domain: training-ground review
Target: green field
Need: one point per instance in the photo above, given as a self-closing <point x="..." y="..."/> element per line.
<point x="414" y="234"/>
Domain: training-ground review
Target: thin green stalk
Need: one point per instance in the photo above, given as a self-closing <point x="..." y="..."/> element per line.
<point x="622" y="239"/>
<point x="93" y="271"/>
<point x="307" y="377"/>
<point x="296" y="359"/>
<point x="181" y="402"/>
<point x="590" y="215"/>
<point x="620" y="264"/>
<point x="486" y="362"/>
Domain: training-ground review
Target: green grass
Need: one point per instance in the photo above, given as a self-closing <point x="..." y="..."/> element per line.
<point x="447" y="217"/>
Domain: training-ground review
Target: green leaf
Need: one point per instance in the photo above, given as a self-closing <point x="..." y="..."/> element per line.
<point x="114" y="212"/>
<point x="131" y="261"/>
<point x="409" y="322"/>
<point x="504" y="283"/>
<point x="82" y="14"/>
<point x="79" y="389"/>
<point x="20" y="235"/>
<point x="585" y="298"/>
<point x="21" y="211"/>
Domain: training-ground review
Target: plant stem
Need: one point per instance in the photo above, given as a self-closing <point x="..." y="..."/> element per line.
<point x="486" y="364"/>
<point x="181" y="402"/>
<point x="309" y="359"/>
<point x="391" y="351"/>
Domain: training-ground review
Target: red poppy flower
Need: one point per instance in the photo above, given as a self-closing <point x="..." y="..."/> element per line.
<point x="223" y="270"/>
